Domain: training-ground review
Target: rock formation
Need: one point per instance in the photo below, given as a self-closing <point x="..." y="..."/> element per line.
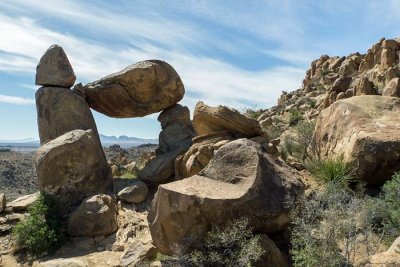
<point x="73" y="167"/>
<point x="241" y="180"/>
<point x="141" y="89"/>
<point x="54" y="69"/>
<point x="59" y="111"/>
<point x="364" y="130"/>
<point x="175" y="139"/>
<point x="208" y="120"/>
<point x="97" y="215"/>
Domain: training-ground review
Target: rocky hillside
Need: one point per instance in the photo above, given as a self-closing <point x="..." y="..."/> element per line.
<point x="286" y="186"/>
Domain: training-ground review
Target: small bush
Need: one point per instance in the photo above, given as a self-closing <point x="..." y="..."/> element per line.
<point x="301" y="143"/>
<point x="42" y="231"/>
<point x="331" y="170"/>
<point x="294" y="117"/>
<point x="233" y="246"/>
<point x="332" y="227"/>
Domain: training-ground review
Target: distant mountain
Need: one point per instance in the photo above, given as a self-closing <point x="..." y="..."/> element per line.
<point x="123" y="140"/>
<point x="20" y="141"/>
<point x="126" y="140"/>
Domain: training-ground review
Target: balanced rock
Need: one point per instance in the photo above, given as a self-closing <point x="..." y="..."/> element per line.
<point x="73" y="167"/>
<point x="200" y="154"/>
<point x="135" y="193"/>
<point x="364" y="131"/>
<point x="54" y="69"/>
<point x="392" y="88"/>
<point x="97" y="215"/>
<point x="208" y="119"/>
<point x="60" y="110"/>
<point x="141" y="89"/>
<point x="241" y="180"/>
<point x="174" y="139"/>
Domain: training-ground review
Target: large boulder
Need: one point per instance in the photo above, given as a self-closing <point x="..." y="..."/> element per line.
<point x="73" y="167"/>
<point x="97" y="215"/>
<point x="22" y="203"/>
<point x="364" y="131"/>
<point x="174" y="139"/>
<point x="141" y="89"/>
<point x="54" y="69"/>
<point x="240" y="181"/>
<point x="392" y="88"/>
<point x="200" y="153"/>
<point x="60" y="110"/>
<point x="208" y="119"/>
<point x="135" y="193"/>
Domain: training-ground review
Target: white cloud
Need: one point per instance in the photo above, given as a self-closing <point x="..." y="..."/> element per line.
<point x="16" y="100"/>
<point x="213" y="81"/>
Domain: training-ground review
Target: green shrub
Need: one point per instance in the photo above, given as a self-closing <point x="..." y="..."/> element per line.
<point x="301" y="144"/>
<point x="331" y="170"/>
<point x="294" y="117"/>
<point x="331" y="227"/>
<point x="42" y="231"/>
<point x="233" y="246"/>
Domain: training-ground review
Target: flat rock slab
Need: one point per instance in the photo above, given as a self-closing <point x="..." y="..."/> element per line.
<point x="207" y="120"/>
<point x="141" y="89"/>
<point x="54" y="69"/>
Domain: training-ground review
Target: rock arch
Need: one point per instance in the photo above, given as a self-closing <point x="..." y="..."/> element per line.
<point x="70" y="162"/>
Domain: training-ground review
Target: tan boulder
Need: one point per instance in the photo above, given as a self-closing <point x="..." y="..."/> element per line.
<point x="54" y="69"/>
<point x="241" y="180"/>
<point x="141" y="89"/>
<point x="390" y="44"/>
<point x="74" y="262"/>
<point x="59" y="111"/>
<point x="208" y="119"/>
<point x="341" y="84"/>
<point x="72" y="167"/>
<point x="22" y="203"/>
<point x="135" y="193"/>
<point x="392" y="88"/>
<point x="389" y="258"/>
<point x="97" y="215"/>
<point x="199" y="154"/>
<point x="364" y="87"/>
<point x="138" y="254"/>
<point x="115" y="171"/>
<point x="364" y="130"/>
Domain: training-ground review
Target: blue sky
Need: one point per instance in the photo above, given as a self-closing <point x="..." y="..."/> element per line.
<point x="237" y="53"/>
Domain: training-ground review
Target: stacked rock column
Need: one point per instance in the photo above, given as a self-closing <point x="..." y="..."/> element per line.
<point x="70" y="162"/>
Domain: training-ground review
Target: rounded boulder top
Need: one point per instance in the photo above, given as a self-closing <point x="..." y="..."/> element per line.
<point x="54" y="69"/>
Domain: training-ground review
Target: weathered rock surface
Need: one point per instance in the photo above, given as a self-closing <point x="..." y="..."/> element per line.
<point x="240" y="181"/>
<point x="136" y="193"/>
<point x="364" y="87"/>
<point x="72" y="167"/>
<point x="3" y="202"/>
<point x="141" y="89"/>
<point x="364" y="130"/>
<point x="389" y="258"/>
<point x="392" y="88"/>
<point x="138" y="254"/>
<point x="272" y="255"/>
<point x="54" y="69"/>
<point x="174" y="139"/>
<point x="60" y="110"/>
<point x="208" y="119"/>
<point x="97" y="215"/>
<point x="61" y="263"/>
<point x="22" y="203"/>
<point x="200" y="153"/>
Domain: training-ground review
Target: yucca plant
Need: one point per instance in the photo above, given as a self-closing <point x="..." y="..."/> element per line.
<point x="331" y="170"/>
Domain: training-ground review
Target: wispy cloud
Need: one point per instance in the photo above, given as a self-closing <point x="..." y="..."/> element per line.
<point x="16" y="100"/>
